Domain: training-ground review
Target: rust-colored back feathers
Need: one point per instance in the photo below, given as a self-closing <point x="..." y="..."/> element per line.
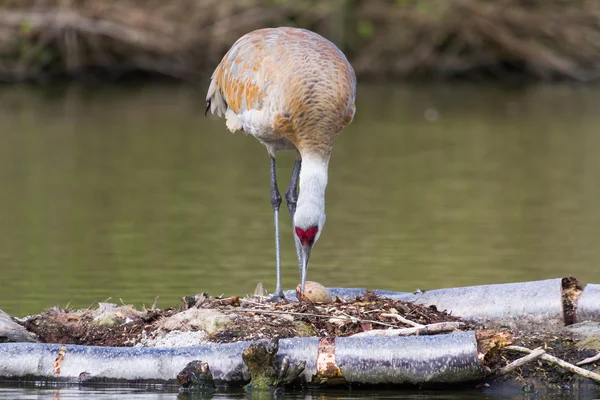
<point x="285" y="85"/>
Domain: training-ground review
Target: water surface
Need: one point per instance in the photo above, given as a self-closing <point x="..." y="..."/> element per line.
<point x="161" y="392"/>
<point x="130" y="193"/>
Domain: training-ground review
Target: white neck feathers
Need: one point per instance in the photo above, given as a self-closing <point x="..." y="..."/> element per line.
<point x="310" y="210"/>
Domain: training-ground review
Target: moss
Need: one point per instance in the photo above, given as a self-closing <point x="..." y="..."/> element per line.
<point x="196" y="375"/>
<point x="260" y="360"/>
<point x="591" y="342"/>
<point x="304" y="329"/>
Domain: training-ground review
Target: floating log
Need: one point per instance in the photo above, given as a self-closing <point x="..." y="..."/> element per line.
<point x="546" y="304"/>
<point x="451" y="358"/>
<point x="588" y="306"/>
<point x="519" y="303"/>
<point x="10" y="331"/>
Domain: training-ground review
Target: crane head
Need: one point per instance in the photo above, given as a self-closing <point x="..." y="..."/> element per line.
<point x="306" y="236"/>
<point x="306" y="239"/>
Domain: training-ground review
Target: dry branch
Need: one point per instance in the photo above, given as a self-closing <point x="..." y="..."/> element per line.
<point x="403" y="320"/>
<point x="432" y="329"/>
<point x="561" y="363"/>
<point x="589" y="360"/>
<point x="534" y="355"/>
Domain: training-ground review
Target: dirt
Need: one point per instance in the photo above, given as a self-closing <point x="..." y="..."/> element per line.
<point x="249" y="320"/>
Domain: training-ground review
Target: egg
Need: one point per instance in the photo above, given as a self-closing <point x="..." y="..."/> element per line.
<point x="314" y="292"/>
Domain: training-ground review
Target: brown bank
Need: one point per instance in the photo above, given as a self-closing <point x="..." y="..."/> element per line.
<point x="535" y="39"/>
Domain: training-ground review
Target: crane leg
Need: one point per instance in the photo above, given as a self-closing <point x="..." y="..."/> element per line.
<point x="291" y="194"/>
<point x="291" y="198"/>
<point x="276" y="202"/>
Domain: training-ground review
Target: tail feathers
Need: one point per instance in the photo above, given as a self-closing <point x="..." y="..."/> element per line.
<point x="215" y="101"/>
<point x="207" y="106"/>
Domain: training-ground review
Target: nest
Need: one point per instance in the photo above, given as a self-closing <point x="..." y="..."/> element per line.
<point x="230" y="319"/>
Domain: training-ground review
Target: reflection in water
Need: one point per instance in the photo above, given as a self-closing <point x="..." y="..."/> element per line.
<point x="170" y="392"/>
<point x="131" y="193"/>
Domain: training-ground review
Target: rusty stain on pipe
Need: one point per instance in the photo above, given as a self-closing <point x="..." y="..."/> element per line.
<point x="59" y="359"/>
<point x="327" y="370"/>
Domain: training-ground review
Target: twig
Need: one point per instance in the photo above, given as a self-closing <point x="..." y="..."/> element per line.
<point x="403" y="320"/>
<point x="371" y="311"/>
<point x="534" y="355"/>
<point x="561" y="363"/>
<point x="247" y="300"/>
<point x="589" y="360"/>
<point x="431" y="329"/>
<point x="257" y="310"/>
<point x="350" y="317"/>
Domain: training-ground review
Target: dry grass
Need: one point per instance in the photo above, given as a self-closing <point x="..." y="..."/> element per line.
<point x="185" y="39"/>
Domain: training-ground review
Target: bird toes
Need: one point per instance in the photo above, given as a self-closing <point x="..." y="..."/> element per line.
<point x="275" y="297"/>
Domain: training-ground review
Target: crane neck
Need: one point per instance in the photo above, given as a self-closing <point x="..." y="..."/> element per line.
<point x="311" y="199"/>
<point x="313" y="178"/>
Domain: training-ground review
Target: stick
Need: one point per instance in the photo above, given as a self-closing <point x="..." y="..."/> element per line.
<point x="403" y="320"/>
<point x="534" y="355"/>
<point x="257" y="310"/>
<point x="589" y="360"/>
<point x="561" y="363"/>
<point x="431" y="329"/>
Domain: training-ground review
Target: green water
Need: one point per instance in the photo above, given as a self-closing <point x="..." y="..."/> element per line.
<point x="131" y="193"/>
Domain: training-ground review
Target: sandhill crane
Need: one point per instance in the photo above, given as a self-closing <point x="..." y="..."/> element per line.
<point x="291" y="89"/>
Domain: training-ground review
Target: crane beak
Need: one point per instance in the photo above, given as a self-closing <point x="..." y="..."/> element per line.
<point x="305" y="256"/>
